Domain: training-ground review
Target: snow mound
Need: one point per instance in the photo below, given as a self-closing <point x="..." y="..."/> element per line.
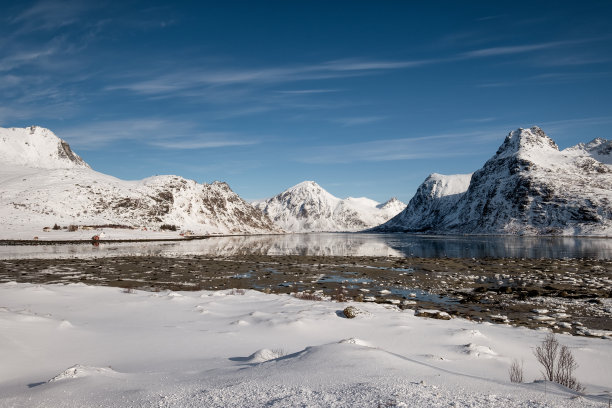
<point x="468" y="333"/>
<point x="264" y="355"/>
<point x="475" y="350"/>
<point x="79" y="371"/>
<point x="353" y="340"/>
<point x="65" y="324"/>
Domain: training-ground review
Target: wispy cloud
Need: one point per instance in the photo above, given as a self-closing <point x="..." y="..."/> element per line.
<point x="307" y="91"/>
<point x="203" y="141"/>
<point x="187" y="79"/>
<point x="479" y="120"/>
<point x="168" y="133"/>
<point x="358" y="120"/>
<point x="559" y="125"/>
<point x="492" y="17"/>
<point x="515" y="49"/>
<point x="21" y="58"/>
<point x="50" y="15"/>
<point x="424" y="147"/>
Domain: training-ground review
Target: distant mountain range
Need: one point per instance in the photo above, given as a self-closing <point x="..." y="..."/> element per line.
<point x="528" y="187"/>
<point x="307" y="207"/>
<point x="42" y="182"/>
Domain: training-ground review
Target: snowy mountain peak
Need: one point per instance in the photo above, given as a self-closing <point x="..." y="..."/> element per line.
<point x="391" y="203"/>
<point x="524" y="141"/>
<point x="600" y="149"/>
<point x="308" y="187"/>
<point x="37" y="147"/>
<point x="308" y="207"/>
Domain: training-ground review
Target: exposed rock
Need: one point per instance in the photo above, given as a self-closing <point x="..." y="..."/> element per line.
<point x="432" y="313"/>
<point x="351" y="312"/>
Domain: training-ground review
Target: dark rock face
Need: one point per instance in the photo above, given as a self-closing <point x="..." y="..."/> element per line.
<point x="65" y="152"/>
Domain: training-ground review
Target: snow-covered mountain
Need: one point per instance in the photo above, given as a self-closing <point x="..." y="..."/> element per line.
<point x="42" y="182"/>
<point x="433" y="199"/>
<point x="527" y="187"/>
<point x="306" y="207"/>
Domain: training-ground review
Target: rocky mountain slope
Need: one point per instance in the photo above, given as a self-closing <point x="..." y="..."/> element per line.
<point x="42" y="182"/>
<point x="527" y="187"/>
<point x="307" y="207"/>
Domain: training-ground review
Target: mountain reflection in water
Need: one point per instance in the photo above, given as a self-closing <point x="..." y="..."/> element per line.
<point x="336" y="244"/>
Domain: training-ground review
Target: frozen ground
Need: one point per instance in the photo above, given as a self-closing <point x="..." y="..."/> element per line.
<point x="77" y="345"/>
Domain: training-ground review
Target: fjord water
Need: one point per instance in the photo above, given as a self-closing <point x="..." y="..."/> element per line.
<point x="336" y="244"/>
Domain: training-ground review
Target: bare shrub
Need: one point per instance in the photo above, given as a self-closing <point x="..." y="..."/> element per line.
<point x="558" y="362"/>
<point x="237" y="292"/>
<point x="566" y="365"/>
<point x="168" y="227"/>
<point x="72" y="228"/>
<point x="516" y="371"/>
<point x="546" y="354"/>
<point x="57" y="227"/>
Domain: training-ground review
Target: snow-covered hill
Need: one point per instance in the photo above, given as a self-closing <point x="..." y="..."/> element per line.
<point x="306" y="207"/>
<point x="527" y="187"/>
<point x="42" y="183"/>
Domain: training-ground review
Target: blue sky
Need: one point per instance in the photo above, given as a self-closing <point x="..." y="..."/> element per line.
<point x="365" y="97"/>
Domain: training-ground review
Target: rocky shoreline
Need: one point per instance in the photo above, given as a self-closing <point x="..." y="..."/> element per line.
<point x="566" y="295"/>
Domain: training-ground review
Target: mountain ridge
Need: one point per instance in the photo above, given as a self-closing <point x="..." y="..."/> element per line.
<point x="307" y="207"/>
<point x="528" y="187"/>
<point x="61" y="188"/>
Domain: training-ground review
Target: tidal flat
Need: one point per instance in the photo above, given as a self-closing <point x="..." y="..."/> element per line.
<point x="566" y="295"/>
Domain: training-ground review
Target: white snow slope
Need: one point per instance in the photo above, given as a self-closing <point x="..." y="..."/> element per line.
<point x="78" y="346"/>
<point x="43" y="183"/>
<point x="527" y="187"/>
<point x="307" y="207"/>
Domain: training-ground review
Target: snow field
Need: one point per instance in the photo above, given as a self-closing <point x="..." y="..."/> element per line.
<point x="77" y="345"/>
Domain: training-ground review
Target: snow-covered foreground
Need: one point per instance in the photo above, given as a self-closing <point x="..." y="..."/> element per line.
<point x="78" y="345"/>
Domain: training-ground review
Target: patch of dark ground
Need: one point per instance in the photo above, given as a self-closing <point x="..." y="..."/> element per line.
<point x="567" y="295"/>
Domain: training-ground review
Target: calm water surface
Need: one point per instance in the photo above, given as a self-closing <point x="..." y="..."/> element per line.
<point x="337" y="244"/>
